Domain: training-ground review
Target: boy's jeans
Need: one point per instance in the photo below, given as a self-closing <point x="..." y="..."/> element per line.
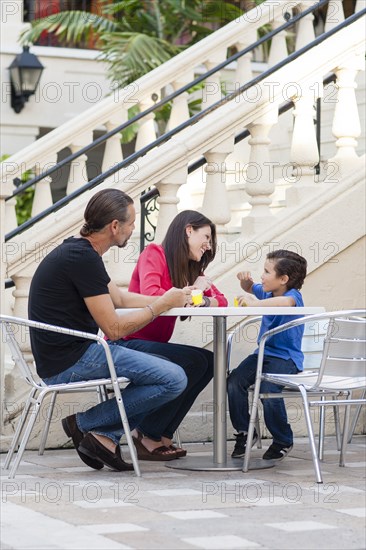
<point x="154" y="381"/>
<point x="275" y="415"/>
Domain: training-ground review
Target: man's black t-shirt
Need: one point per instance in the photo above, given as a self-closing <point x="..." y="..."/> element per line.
<point x="71" y="272"/>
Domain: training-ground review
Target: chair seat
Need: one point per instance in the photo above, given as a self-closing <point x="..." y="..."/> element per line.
<point x="342" y="369"/>
<point x="309" y="381"/>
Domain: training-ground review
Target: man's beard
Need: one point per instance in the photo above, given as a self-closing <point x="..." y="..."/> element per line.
<point x="124" y="244"/>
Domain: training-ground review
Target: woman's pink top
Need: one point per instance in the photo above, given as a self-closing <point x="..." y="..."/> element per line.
<point x="151" y="277"/>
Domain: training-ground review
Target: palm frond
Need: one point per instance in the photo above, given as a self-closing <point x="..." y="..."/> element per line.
<point x="131" y="55"/>
<point x="72" y="26"/>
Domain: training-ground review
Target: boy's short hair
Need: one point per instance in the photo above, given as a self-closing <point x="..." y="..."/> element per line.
<point x="291" y="264"/>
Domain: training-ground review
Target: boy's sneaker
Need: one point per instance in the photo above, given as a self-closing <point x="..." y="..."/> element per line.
<point x="277" y="452"/>
<point x="241" y="442"/>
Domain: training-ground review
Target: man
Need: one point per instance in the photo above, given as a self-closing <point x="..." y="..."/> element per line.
<point x="72" y="289"/>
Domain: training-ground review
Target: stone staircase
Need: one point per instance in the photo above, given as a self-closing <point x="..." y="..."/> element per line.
<point x="262" y="193"/>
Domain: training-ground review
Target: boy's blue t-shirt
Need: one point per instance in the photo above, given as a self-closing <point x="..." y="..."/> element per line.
<point x="286" y="344"/>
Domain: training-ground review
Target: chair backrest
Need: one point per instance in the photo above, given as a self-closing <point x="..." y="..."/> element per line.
<point x="345" y="351"/>
<point x="246" y="333"/>
<point x="9" y="332"/>
<point x="313" y="343"/>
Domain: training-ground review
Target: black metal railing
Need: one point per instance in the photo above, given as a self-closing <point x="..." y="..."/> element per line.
<point x="148" y="199"/>
<point x="167" y="99"/>
<point x="192" y="120"/>
<point x="99" y="179"/>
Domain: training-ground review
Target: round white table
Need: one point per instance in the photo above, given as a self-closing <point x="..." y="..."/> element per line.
<point x="220" y="461"/>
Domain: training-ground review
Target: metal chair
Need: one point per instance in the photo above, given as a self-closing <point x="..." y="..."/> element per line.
<point x="341" y="371"/>
<point x="312" y="348"/>
<point x="10" y="327"/>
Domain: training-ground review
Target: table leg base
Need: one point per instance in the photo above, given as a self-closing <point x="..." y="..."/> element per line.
<point x="205" y="463"/>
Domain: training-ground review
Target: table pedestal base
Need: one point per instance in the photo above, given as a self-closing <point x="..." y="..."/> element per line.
<point x="205" y="463"/>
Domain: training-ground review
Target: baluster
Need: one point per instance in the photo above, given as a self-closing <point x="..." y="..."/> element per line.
<point x="168" y="200"/>
<point x="335" y="14"/>
<point x="278" y="50"/>
<point x="180" y="109"/>
<point x="216" y="204"/>
<point x="244" y="71"/>
<point x="113" y="148"/>
<point x="305" y="29"/>
<point x="147" y="132"/>
<point x="236" y="161"/>
<point x="78" y="172"/>
<point x="304" y="154"/>
<point x="42" y="194"/>
<point x="212" y="90"/>
<point x="259" y="173"/>
<point x="346" y="123"/>
<point x="10" y="215"/>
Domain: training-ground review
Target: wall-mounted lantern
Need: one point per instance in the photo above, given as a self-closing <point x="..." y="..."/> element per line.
<point x="25" y="74"/>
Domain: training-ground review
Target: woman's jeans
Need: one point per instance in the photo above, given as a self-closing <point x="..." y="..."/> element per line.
<point x="153" y="382"/>
<point x="275" y="415"/>
<point x="197" y="363"/>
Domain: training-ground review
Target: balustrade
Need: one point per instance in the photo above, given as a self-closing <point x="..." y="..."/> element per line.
<point x="180" y="110"/>
<point x="78" y="175"/>
<point x="259" y="177"/>
<point x="346" y="122"/>
<point x="147" y="131"/>
<point x="304" y="148"/>
<point x="335" y="14"/>
<point x="42" y="193"/>
<point x="216" y="204"/>
<point x="305" y="28"/>
<point x="113" y="150"/>
<point x="278" y="49"/>
<point x="168" y="200"/>
<point x="212" y="90"/>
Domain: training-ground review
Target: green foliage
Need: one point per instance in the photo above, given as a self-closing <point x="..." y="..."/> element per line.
<point x="24" y="201"/>
<point x="136" y="36"/>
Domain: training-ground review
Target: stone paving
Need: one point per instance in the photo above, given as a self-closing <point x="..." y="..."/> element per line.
<point x="55" y="502"/>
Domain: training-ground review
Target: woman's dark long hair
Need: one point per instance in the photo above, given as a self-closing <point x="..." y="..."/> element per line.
<point x="184" y="271"/>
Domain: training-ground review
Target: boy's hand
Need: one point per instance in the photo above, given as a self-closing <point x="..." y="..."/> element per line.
<point x="248" y="300"/>
<point x="246" y="281"/>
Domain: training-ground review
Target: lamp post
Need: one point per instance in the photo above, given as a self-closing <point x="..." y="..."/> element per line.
<point x="25" y="74"/>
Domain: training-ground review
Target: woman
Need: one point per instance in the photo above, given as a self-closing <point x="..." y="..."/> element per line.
<point x="188" y="248"/>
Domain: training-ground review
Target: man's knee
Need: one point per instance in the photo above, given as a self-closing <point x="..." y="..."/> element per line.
<point x="178" y="379"/>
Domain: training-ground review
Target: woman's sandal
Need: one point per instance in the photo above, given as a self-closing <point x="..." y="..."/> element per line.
<point x="178" y="450"/>
<point x="160" y="453"/>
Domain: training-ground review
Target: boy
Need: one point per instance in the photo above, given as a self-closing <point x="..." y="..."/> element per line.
<point x="282" y="278"/>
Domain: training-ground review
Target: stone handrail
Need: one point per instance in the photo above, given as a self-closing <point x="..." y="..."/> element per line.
<point x="167" y="167"/>
<point x="209" y="51"/>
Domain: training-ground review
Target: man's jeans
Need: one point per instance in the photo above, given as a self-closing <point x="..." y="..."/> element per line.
<point x="275" y="415"/>
<point x="154" y="382"/>
<point x="197" y="363"/>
